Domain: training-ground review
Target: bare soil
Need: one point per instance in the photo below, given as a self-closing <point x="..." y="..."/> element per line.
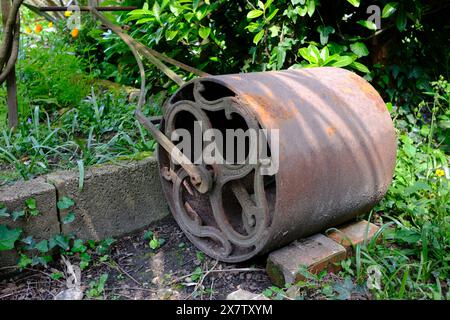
<point x="135" y="271"/>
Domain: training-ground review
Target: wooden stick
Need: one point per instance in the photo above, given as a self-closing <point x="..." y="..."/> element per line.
<point x="11" y="86"/>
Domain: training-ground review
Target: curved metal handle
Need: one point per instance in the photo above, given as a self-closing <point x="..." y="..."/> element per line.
<point x="199" y="179"/>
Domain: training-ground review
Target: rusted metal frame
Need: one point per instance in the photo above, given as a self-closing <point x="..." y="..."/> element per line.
<point x="255" y="211"/>
<point x="44" y="14"/>
<point x="8" y="28"/>
<point x="9" y="72"/>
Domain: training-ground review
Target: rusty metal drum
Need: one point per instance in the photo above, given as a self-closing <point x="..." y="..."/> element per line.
<point x="336" y="150"/>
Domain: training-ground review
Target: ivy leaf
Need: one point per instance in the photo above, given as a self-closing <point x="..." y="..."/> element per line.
<point x="281" y="56"/>
<point x="59" y="240"/>
<point x="254" y="14"/>
<point x="156" y="243"/>
<point x="78" y="246"/>
<point x="70" y="217"/>
<point x="354" y="3"/>
<point x="65" y="203"/>
<point x="29" y="242"/>
<point x="204" y="32"/>
<point x="24" y="261"/>
<point x="389" y="9"/>
<point x="56" y="275"/>
<point x="4" y="213"/>
<point x="8" y="237"/>
<point x="30" y="203"/>
<point x="17" y="214"/>
<point x="102" y="282"/>
<point x="42" y="246"/>
<point x="274" y="31"/>
<point x="148" y="235"/>
<point x="359" y="49"/>
<point x="85" y="260"/>
<point x="324" y="33"/>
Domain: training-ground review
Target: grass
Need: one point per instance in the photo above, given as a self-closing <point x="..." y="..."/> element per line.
<point x="101" y="129"/>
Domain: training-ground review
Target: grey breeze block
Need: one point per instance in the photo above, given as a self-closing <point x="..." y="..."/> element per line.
<point x="115" y="199"/>
<point x="41" y="227"/>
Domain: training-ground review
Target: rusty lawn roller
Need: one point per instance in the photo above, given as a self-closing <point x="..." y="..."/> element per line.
<point x="337" y="151"/>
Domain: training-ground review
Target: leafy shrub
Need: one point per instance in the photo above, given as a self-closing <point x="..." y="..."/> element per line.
<point x="51" y="75"/>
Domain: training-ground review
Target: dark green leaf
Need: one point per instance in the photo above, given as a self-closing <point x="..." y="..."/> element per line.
<point x="4" y="213"/>
<point x="78" y="246"/>
<point x="70" y="217"/>
<point x="61" y="241"/>
<point x="17" y="215"/>
<point x="401" y="21"/>
<point x="65" y="203"/>
<point x="148" y="235"/>
<point x="359" y="49"/>
<point x="8" y="237"/>
<point x="42" y="246"/>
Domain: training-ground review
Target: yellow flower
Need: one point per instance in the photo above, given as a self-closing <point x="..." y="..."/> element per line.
<point x="440" y="172"/>
<point x="38" y="28"/>
<point x="67" y="13"/>
<point x="74" y="33"/>
<point x="28" y="30"/>
<point x="50" y="24"/>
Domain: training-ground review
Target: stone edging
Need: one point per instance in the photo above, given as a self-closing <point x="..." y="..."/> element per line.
<point x="115" y="200"/>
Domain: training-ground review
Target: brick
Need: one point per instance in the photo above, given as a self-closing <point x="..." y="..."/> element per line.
<point x="43" y="226"/>
<point x="317" y="253"/>
<point x="353" y="233"/>
<point x="116" y="199"/>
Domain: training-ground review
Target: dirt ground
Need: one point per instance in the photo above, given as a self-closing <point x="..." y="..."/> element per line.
<point x="177" y="270"/>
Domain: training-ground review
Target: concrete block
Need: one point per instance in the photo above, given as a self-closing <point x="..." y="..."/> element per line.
<point x="353" y="233"/>
<point x="115" y="200"/>
<point x="316" y="253"/>
<point x="43" y="226"/>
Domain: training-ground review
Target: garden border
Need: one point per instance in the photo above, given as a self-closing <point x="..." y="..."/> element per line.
<point x="116" y="200"/>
